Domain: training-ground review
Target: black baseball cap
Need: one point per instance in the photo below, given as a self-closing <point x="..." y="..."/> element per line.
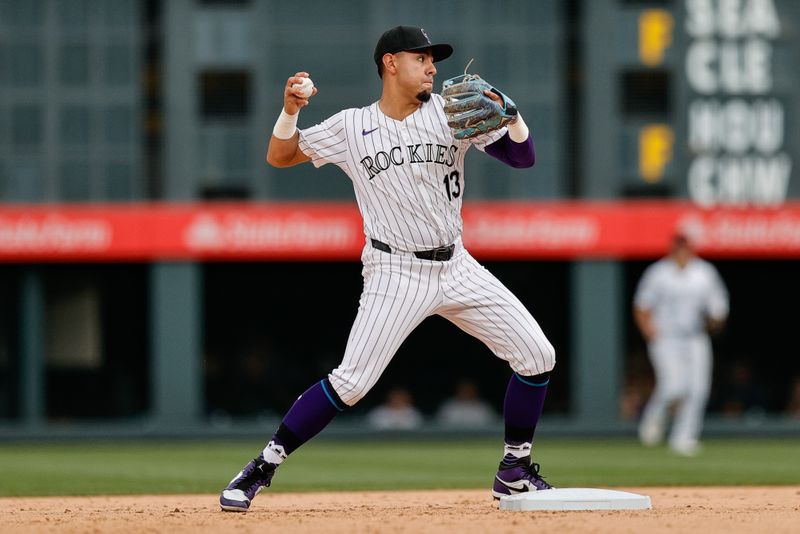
<point x="409" y="39"/>
<point x="681" y="240"/>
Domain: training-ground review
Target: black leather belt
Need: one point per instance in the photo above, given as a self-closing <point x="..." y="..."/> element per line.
<point x="436" y="254"/>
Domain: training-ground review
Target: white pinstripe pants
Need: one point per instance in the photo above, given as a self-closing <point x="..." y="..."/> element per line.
<point x="400" y="291"/>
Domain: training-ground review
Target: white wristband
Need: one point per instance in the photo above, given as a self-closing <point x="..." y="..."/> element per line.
<point x="285" y="126"/>
<point x="518" y="130"/>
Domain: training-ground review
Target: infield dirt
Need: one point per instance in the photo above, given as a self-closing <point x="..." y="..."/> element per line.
<point x="707" y="510"/>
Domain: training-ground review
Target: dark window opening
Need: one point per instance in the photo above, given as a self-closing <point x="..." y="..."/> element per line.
<point x="645" y="92"/>
<point x="224" y="94"/>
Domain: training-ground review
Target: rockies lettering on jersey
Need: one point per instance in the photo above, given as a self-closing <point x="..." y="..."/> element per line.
<point x="408" y="175"/>
<point x="416" y="154"/>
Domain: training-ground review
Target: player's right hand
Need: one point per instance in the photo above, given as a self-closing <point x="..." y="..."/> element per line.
<point x="292" y="101"/>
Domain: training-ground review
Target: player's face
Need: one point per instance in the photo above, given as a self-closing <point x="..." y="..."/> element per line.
<point x="682" y="250"/>
<point x="415" y="73"/>
<point x="682" y="254"/>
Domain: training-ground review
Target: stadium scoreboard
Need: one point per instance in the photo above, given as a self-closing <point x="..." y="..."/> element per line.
<point x="709" y="100"/>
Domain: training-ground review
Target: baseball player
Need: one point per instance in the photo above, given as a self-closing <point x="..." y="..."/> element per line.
<point x="407" y="169"/>
<point x="679" y="300"/>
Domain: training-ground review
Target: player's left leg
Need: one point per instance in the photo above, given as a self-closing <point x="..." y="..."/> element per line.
<point x="478" y="303"/>
<point x="685" y="436"/>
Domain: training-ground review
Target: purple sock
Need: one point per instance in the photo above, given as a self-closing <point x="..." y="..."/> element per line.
<point x="523" y="406"/>
<point x="308" y="416"/>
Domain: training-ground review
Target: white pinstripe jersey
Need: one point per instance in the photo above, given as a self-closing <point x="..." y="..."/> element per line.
<point x="408" y="175"/>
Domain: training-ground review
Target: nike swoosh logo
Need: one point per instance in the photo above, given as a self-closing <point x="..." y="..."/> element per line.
<point x="367" y="132"/>
<point x="518" y="485"/>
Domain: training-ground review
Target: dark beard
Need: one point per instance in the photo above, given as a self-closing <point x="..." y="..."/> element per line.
<point x="424" y="96"/>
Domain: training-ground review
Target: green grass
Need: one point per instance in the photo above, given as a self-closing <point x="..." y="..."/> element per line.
<point x="205" y="467"/>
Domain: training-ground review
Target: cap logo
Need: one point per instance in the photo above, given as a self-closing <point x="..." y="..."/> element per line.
<point x="428" y="39"/>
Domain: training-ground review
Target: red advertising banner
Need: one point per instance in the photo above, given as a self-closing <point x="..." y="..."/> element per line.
<point x="631" y="229"/>
<point x="333" y="231"/>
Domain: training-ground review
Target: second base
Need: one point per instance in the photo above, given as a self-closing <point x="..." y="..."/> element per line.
<point x="575" y="499"/>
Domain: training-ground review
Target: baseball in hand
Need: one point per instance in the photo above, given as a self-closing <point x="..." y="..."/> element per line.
<point x="306" y="88"/>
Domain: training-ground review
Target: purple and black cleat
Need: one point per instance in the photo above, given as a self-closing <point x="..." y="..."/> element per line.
<point x="519" y="477"/>
<point x="255" y="476"/>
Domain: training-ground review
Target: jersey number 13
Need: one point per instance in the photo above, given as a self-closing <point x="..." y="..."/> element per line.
<point x="452" y="185"/>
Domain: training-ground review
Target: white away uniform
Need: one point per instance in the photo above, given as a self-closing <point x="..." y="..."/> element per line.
<point x="679" y="301"/>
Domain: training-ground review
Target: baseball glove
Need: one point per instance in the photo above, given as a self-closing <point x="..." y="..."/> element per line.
<point x="469" y="111"/>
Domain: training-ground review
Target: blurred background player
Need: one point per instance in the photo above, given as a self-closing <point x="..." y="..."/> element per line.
<point x="679" y="300"/>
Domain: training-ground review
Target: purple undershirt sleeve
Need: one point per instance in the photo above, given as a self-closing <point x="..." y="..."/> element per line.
<point x="517" y="155"/>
